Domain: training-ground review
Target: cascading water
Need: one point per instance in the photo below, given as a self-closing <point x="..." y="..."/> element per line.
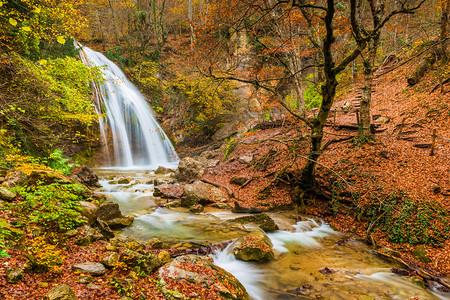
<point x="137" y="139"/>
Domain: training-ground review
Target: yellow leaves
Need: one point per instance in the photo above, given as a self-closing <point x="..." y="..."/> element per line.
<point x="12" y="21"/>
<point x="61" y="39"/>
<point x="37" y="10"/>
<point x="43" y="61"/>
<point x="26" y="28"/>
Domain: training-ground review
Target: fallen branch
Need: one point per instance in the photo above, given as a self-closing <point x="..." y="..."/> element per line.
<point x="440" y="84"/>
<point x="246" y="183"/>
<point x="329" y="142"/>
<point x="229" y="192"/>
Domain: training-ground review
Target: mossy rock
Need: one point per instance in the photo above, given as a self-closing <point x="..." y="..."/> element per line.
<point x="9" y="232"/>
<point x="256" y="246"/>
<point x="262" y="220"/>
<point x="420" y="253"/>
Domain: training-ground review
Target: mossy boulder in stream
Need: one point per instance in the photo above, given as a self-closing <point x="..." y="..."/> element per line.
<point x="262" y="220"/>
<point x="186" y="274"/>
<point x="256" y="246"/>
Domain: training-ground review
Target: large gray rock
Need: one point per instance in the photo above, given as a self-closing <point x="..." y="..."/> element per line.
<point x="189" y="169"/>
<point x="93" y="268"/>
<point x="196" y="270"/>
<point x="6" y="194"/>
<point x="256" y="246"/>
<point x="202" y="193"/>
<point x="60" y="292"/>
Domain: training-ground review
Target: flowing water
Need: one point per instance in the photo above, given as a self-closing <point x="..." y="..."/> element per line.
<point x="302" y="249"/>
<point x="138" y="142"/>
<point x="309" y="263"/>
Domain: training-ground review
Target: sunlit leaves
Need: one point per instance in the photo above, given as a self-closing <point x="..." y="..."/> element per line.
<point x="61" y="39"/>
<point x="13" y="22"/>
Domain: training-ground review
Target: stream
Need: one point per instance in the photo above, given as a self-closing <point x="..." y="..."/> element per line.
<point x="303" y="249"/>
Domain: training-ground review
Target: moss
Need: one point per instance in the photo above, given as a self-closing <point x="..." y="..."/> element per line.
<point x="262" y="220"/>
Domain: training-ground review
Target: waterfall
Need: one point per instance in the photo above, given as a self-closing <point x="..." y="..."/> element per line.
<point x="138" y="142"/>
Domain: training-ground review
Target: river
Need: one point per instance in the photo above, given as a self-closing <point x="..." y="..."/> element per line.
<point x="312" y="260"/>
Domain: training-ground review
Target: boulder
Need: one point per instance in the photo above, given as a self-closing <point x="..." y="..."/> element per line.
<point x="108" y="211"/>
<point x="262" y="220"/>
<point x="189" y="169"/>
<point x="163" y="181"/>
<point x="88" y="210"/>
<point x="197" y="208"/>
<point x="111" y="260"/>
<point x="168" y="191"/>
<point x="124" y="181"/>
<point x="146" y="262"/>
<point x="164" y="256"/>
<point x="255" y="246"/>
<point x="60" y="292"/>
<point x="15" y="275"/>
<point x="201" y="193"/>
<point x="204" y="274"/>
<point x="238" y="180"/>
<point x="84" y="175"/>
<point x="6" y="195"/>
<point x="163" y="170"/>
<point x="119" y="223"/>
<point x="92" y="268"/>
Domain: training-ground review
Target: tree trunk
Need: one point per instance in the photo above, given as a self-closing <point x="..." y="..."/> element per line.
<point x="295" y="69"/>
<point x="190" y="18"/>
<point x="444" y="32"/>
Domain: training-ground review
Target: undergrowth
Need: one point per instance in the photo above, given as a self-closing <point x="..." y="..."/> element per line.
<point x="408" y="220"/>
<point x="53" y="207"/>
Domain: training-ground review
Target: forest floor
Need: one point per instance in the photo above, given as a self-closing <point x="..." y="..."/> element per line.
<point x="389" y="190"/>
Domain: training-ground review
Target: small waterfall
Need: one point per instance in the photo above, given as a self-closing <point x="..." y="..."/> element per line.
<point x="137" y="139"/>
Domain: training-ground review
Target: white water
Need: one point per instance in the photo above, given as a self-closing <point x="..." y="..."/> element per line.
<point x="138" y="141"/>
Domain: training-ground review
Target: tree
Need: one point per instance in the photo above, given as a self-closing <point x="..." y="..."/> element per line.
<point x="28" y="23"/>
<point x="371" y="36"/>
